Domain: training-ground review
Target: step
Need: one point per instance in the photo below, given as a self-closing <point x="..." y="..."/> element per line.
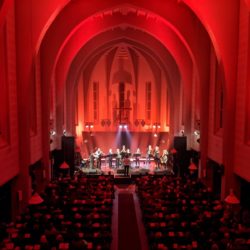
<point x="121" y="179"/>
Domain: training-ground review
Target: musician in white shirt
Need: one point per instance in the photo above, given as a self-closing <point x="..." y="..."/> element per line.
<point x="164" y="158"/>
<point x="98" y="155"/>
<point x="149" y="155"/>
<point x="137" y="157"/>
<point x="157" y="156"/>
<point x="118" y="158"/>
<point x="110" y="157"/>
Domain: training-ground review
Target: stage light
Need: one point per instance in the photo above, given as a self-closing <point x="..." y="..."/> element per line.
<point x="154" y="126"/>
<point x="231" y="199"/>
<point x="155" y="135"/>
<point x="52" y="132"/>
<point x="159" y="126"/>
<point x="125" y="126"/>
<point x="120" y="126"/>
<point x="182" y="132"/>
<point x="87" y="126"/>
<point x="197" y="132"/>
<point x="91" y="126"/>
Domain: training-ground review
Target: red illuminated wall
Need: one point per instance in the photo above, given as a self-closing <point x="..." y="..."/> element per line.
<point x="107" y="101"/>
<point x="113" y="140"/>
<point x="9" y="140"/>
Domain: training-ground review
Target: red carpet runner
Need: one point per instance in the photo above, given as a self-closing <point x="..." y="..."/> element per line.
<point x="128" y="234"/>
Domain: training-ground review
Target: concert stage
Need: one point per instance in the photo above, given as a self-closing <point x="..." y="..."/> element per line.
<point x="133" y="171"/>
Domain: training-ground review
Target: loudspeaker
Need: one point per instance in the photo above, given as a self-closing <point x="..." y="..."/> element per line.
<point x="68" y="149"/>
<point x="180" y="159"/>
<point x="180" y="143"/>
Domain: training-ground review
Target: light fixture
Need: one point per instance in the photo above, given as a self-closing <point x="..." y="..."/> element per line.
<point x="89" y="125"/>
<point x="64" y="165"/>
<point x="192" y="167"/>
<point x="105" y="122"/>
<point x="197" y="132"/>
<point x="182" y="132"/>
<point x="173" y="151"/>
<point x="35" y="199"/>
<point x="231" y="199"/>
<point x="156" y="126"/>
<point x="124" y="126"/>
<point x="136" y="122"/>
<point x="52" y="132"/>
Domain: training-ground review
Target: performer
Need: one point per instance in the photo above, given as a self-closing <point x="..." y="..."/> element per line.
<point x="128" y="152"/>
<point x="91" y="160"/>
<point x="170" y="163"/>
<point x="157" y="157"/>
<point x="164" y="158"/>
<point x="98" y="156"/>
<point x="149" y="155"/>
<point x="126" y="164"/>
<point x="110" y="157"/>
<point x="118" y="158"/>
<point x="137" y="157"/>
<point x="123" y="151"/>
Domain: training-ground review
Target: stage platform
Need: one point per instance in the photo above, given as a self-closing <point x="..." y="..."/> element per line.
<point x="133" y="172"/>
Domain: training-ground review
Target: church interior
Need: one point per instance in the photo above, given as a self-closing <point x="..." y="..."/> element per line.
<point x="125" y="124"/>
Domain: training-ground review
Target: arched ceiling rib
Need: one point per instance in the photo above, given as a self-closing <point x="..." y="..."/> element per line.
<point x="63" y="42"/>
<point x="56" y="36"/>
<point x="109" y="40"/>
<point x="146" y="45"/>
<point x="87" y="57"/>
<point x="85" y="32"/>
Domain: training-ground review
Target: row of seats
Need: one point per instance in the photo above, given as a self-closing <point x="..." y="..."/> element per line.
<point x="74" y="214"/>
<point x="181" y="213"/>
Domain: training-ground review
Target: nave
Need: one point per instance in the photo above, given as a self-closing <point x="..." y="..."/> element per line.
<point x="78" y="75"/>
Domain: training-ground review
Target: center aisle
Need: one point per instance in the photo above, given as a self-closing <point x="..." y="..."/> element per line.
<point x="128" y="233"/>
